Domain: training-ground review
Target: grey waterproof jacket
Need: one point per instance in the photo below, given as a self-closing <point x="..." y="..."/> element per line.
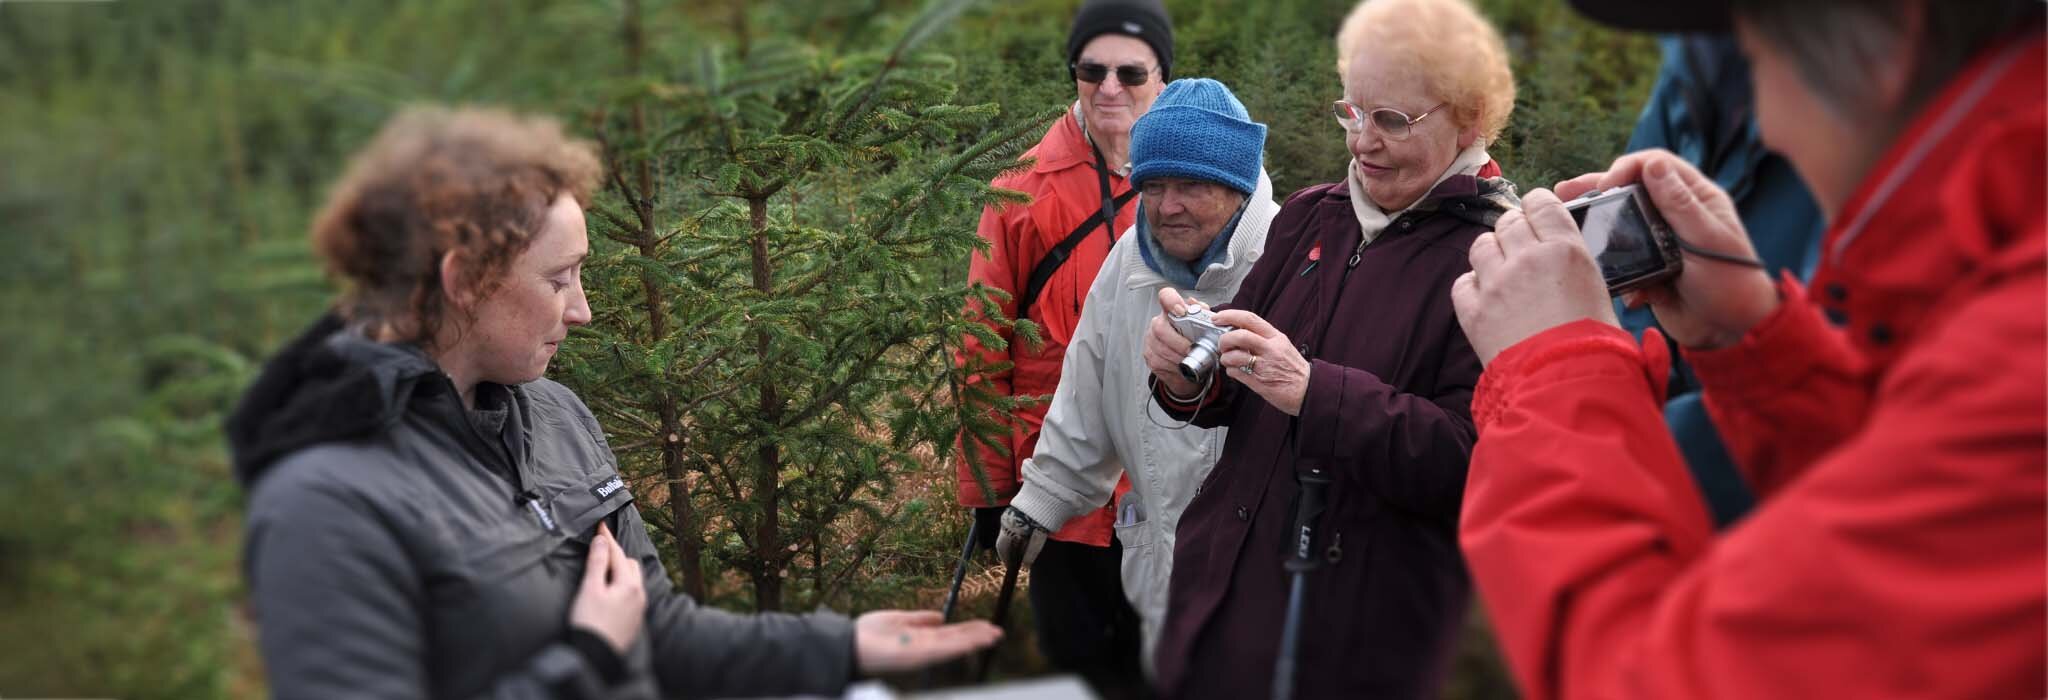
<point x="400" y="545"/>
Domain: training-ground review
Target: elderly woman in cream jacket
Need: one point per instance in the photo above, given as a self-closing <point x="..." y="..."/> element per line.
<point x="1205" y="202"/>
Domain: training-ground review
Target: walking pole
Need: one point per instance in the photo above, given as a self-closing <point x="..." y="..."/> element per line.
<point x="1011" y="564"/>
<point x="960" y="571"/>
<point x="959" y="575"/>
<point x="1310" y="511"/>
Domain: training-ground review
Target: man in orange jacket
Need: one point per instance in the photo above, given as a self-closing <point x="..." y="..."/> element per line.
<point x="1900" y="543"/>
<point x="1044" y="256"/>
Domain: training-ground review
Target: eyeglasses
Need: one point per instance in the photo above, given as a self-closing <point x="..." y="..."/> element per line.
<point x="1391" y="123"/>
<point x="1129" y="75"/>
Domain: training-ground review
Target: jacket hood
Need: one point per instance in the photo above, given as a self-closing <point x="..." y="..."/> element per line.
<point x="330" y="383"/>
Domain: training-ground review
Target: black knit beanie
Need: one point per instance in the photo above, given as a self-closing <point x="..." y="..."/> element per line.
<point x="1144" y="19"/>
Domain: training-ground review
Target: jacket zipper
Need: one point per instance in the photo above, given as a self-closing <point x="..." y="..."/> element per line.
<point x="540" y="512"/>
<point x="523" y="496"/>
<point x="1357" y="254"/>
<point x="531" y="500"/>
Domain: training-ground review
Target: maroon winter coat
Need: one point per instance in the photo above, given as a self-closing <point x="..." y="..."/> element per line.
<point x="1388" y="414"/>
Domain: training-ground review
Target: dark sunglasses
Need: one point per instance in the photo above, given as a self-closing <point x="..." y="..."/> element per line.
<point x="1130" y="76"/>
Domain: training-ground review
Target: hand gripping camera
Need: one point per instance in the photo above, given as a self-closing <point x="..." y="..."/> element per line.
<point x="1199" y="326"/>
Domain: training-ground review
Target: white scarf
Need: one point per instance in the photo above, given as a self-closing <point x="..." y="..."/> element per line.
<point x="1371" y="220"/>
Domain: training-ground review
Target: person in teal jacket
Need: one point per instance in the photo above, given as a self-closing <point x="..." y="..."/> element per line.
<point x="1702" y="109"/>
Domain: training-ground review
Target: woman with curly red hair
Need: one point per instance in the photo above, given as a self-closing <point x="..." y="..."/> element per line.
<point x="428" y="516"/>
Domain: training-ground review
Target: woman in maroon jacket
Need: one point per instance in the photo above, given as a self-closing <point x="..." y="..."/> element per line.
<point x="1347" y="363"/>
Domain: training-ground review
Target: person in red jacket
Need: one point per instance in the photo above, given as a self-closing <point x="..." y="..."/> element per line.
<point x="1899" y="548"/>
<point x="1043" y="257"/>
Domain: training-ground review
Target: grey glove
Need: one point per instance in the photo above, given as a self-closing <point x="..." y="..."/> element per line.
<point x="1020" y="532"/>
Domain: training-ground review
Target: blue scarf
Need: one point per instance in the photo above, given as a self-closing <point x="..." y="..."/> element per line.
<point x="1181" y="273"/>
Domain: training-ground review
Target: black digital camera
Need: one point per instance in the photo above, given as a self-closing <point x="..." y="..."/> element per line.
<point x="1628" y="237"/>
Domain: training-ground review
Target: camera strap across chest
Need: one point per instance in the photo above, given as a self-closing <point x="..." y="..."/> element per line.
<point x="1042" y="273"/>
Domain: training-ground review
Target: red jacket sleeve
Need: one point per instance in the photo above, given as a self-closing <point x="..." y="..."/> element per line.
<point x="1788" y="393"/>
<point x="1909" y="558"/>
<point x="1008" y="232"/>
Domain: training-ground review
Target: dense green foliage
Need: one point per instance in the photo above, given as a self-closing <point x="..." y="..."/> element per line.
<point x="159" y="162"/>
<point x="774" y="340"/>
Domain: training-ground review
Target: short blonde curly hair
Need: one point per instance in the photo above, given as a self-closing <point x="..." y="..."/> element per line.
<point x="1460" y="54"/>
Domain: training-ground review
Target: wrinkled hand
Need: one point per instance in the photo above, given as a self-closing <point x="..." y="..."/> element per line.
<point x="1709" y="304"/>
<point x="1020" y="535"/>
<point x="1530" y="274"/>
<point x="1260" y="357"/>
<point x="888" y="641"/>
<point x="612" y="601"/>
<point x="1165" y="347"/>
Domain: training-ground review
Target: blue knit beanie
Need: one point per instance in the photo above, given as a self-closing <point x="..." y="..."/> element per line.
<point x="1198" y="130"/>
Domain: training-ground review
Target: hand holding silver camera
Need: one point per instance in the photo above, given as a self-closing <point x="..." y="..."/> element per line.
<point x="1199" y="327"/>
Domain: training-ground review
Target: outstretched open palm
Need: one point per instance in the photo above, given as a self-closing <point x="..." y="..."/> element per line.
<point x="887" y="641"/>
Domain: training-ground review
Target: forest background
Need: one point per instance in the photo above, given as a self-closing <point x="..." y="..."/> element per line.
<point x="778" y="271"/>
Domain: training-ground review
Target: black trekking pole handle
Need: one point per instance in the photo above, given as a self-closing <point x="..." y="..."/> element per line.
<point x="1011" y="563"/>
<point x="1307" y="516"/>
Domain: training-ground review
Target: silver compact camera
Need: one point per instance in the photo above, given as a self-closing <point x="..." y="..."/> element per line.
<point x="1200" y="327"/>
<point x="1627" y="237"/>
